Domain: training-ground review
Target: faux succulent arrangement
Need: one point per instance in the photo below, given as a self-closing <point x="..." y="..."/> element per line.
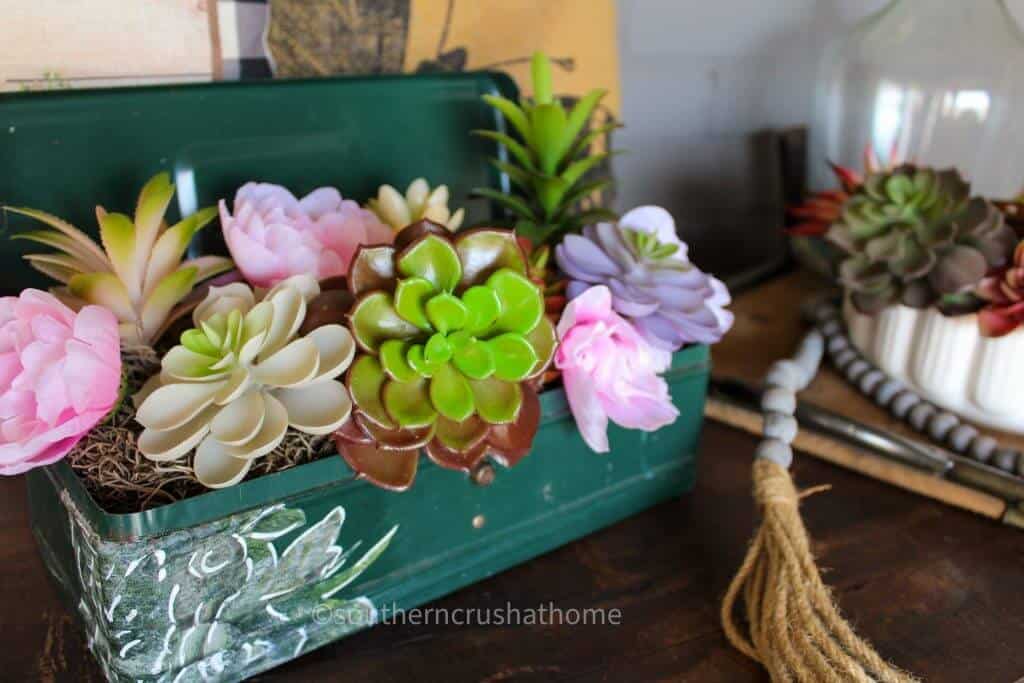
<point x="366" y="341"/>
<point x="427" y="340"/>
<point x="385" y="328"/>
<point x="915" y="236"/>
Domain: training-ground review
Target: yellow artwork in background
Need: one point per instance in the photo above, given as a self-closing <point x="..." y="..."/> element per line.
<point x="578" y="35"/>
<point x="322" y="37"/>
<point x="89" y="43"/>
<point x="308" y="38"/>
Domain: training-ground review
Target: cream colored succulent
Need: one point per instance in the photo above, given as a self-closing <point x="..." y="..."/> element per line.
<point x="241" y="377"/>
<point x="419" y="202"/>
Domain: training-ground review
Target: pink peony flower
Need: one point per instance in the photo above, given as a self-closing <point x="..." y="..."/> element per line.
<point x="610" y="371"/>
<point x="60" y="373"/>
<point x="272" y="235"/>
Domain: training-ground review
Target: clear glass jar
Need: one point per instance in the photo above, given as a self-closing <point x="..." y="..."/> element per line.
<point x="936" y="82"/>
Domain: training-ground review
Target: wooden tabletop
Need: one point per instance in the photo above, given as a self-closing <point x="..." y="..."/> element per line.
<point x="938" y="591"/>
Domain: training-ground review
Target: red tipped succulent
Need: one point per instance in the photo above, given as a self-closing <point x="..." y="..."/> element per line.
<point x="813" y="217"/>
<point x="816" y="214"/>
<point x="1004" y="293"/>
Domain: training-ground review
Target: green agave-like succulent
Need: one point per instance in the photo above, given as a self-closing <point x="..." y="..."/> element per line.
<point x="915" y="235"/>
<point x="138" y="273"/>
<point x="451" y="332"/>
<point x="551" y="159"/>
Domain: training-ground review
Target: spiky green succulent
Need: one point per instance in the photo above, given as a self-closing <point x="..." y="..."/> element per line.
<point x="914" y="235"/>
<point x="138" y="273"/>
<point x="451" y="332"/>
<point x="551" y="159"/>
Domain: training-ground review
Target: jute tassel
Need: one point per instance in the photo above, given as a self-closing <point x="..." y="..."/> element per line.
<point x="793" y="627"/>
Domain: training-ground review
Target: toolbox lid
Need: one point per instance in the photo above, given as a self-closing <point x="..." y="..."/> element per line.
<point x="66" y="151"/>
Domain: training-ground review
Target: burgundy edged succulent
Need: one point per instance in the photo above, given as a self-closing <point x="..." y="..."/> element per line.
<point x="1003" y="292"/>
<point x="814" y="215"/>
<point x="452" y="342"/>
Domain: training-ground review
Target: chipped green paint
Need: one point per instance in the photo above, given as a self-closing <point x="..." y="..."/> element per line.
<point x="219" y="601"/>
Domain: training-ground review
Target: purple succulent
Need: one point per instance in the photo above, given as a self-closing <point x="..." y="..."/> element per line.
<point x="644" y="264"/>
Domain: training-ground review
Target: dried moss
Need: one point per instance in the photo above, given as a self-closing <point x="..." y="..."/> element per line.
<point x="120" y="479"/>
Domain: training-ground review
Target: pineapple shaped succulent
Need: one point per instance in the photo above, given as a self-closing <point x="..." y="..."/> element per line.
<point x="552" y="159"/>
<point x="453" y="338"/>
<point x="241" y="377"/>
<point x="138" y="273"/>
<point x="914" y="235"/>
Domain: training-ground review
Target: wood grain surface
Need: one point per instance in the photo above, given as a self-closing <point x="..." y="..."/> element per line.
<point x="867" y="462"/>
<point x="935" y="589"/>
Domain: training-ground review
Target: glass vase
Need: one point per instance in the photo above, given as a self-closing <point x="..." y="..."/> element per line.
<point x="935" y="82"/>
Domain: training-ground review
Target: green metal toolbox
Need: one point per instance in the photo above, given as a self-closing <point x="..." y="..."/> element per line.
<point x="232" y="582"/>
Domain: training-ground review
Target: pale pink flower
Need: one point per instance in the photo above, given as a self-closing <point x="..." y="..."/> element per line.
<point x="610" y="371"/>
<point x="60" y="374"/>
<point x="273" y="236"/>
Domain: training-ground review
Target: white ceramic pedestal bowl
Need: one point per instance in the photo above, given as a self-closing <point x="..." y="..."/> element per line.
<point x="947" y="361"/>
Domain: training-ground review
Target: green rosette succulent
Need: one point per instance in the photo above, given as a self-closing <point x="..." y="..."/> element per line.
<point x="452" y="339"/>
<point x="914" y="235"/>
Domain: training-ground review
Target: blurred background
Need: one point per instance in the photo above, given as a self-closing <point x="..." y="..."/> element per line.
<point x="701" y="86"/>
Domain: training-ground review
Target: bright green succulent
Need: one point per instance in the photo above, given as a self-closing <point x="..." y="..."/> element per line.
<point x="552" y="159"/>
<point x="452" y="332"/>
<point x="915" y="235"/>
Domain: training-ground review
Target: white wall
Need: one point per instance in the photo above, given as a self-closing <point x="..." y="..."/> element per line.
<point x="699" y="78"/>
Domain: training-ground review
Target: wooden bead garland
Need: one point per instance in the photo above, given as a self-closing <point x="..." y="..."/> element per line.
<point x="903" y="403"/>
